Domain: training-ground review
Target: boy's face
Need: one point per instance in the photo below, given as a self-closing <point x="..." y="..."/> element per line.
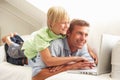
<point x="78" y="37"/>
<point x="61" y="27"/>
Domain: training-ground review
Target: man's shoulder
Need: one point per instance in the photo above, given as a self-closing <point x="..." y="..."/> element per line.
<point x="84" y="48"/>
<point x="57" y="42"/>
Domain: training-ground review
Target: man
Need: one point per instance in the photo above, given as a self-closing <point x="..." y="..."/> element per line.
<point x="73" y="45"/>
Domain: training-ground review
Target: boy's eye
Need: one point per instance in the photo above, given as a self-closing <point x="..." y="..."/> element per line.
<point x="64" y="23"/>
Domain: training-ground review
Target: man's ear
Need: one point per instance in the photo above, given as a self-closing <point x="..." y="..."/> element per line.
<point x="68" y="32"/>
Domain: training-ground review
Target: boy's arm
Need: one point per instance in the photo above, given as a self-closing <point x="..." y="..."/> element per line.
<point x="54" y="61"/>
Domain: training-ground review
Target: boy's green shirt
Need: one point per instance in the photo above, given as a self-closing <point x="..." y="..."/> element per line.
<point x="40" y="41"/>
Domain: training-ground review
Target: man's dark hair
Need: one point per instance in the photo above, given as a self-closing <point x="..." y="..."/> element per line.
<point x="77" y="22"/>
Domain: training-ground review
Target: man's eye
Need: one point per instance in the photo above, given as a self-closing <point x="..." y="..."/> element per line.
<point x="79" y="33"/>
<point x="86" y="34"/>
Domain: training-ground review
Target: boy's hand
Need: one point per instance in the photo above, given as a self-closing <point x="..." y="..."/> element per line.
<point x="55" y="68"/>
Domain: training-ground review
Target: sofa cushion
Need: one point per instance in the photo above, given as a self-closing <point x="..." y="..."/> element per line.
<point x="116" y="62"/>
<point x="2" y="54"/>
<point x="27" y="37"/>
<point x="116" y="54"/>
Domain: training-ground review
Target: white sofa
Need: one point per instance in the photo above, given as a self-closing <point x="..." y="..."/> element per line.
<point x="13" y="72"/>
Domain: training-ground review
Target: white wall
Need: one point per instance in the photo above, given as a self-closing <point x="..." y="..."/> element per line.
<point x="103" y="15"/>
<point x="14" y="20"/>
<point x="11" y="23"/>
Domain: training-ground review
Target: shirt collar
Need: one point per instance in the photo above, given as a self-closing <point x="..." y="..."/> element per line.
<point x="53" y="35"/>
<point x="66" y="46"/>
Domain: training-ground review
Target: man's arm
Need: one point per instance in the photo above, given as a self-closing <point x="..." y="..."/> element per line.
<point x="45" y="73"/>
<point x="92" y="54"/>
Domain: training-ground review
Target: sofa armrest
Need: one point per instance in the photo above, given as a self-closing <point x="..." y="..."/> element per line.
<point x="2" y="54"/>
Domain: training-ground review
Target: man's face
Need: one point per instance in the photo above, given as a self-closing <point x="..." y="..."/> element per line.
<point x="78" y="37"/>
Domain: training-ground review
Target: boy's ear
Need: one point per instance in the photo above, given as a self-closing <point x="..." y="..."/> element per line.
<point x="48" y="22"/>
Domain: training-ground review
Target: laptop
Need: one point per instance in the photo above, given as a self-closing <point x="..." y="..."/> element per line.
<point x="107" y="41"/>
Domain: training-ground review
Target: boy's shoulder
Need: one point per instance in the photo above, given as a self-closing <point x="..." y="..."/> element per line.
<point x="40" y="31"/>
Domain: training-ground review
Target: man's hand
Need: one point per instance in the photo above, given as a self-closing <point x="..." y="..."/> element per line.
<point x="93" y="55"/>
<point x="81" y="65"/>
<point x="80" y="59"/>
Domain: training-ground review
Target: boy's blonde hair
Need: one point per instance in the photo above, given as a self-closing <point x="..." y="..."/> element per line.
<point x="56" y="14"/>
